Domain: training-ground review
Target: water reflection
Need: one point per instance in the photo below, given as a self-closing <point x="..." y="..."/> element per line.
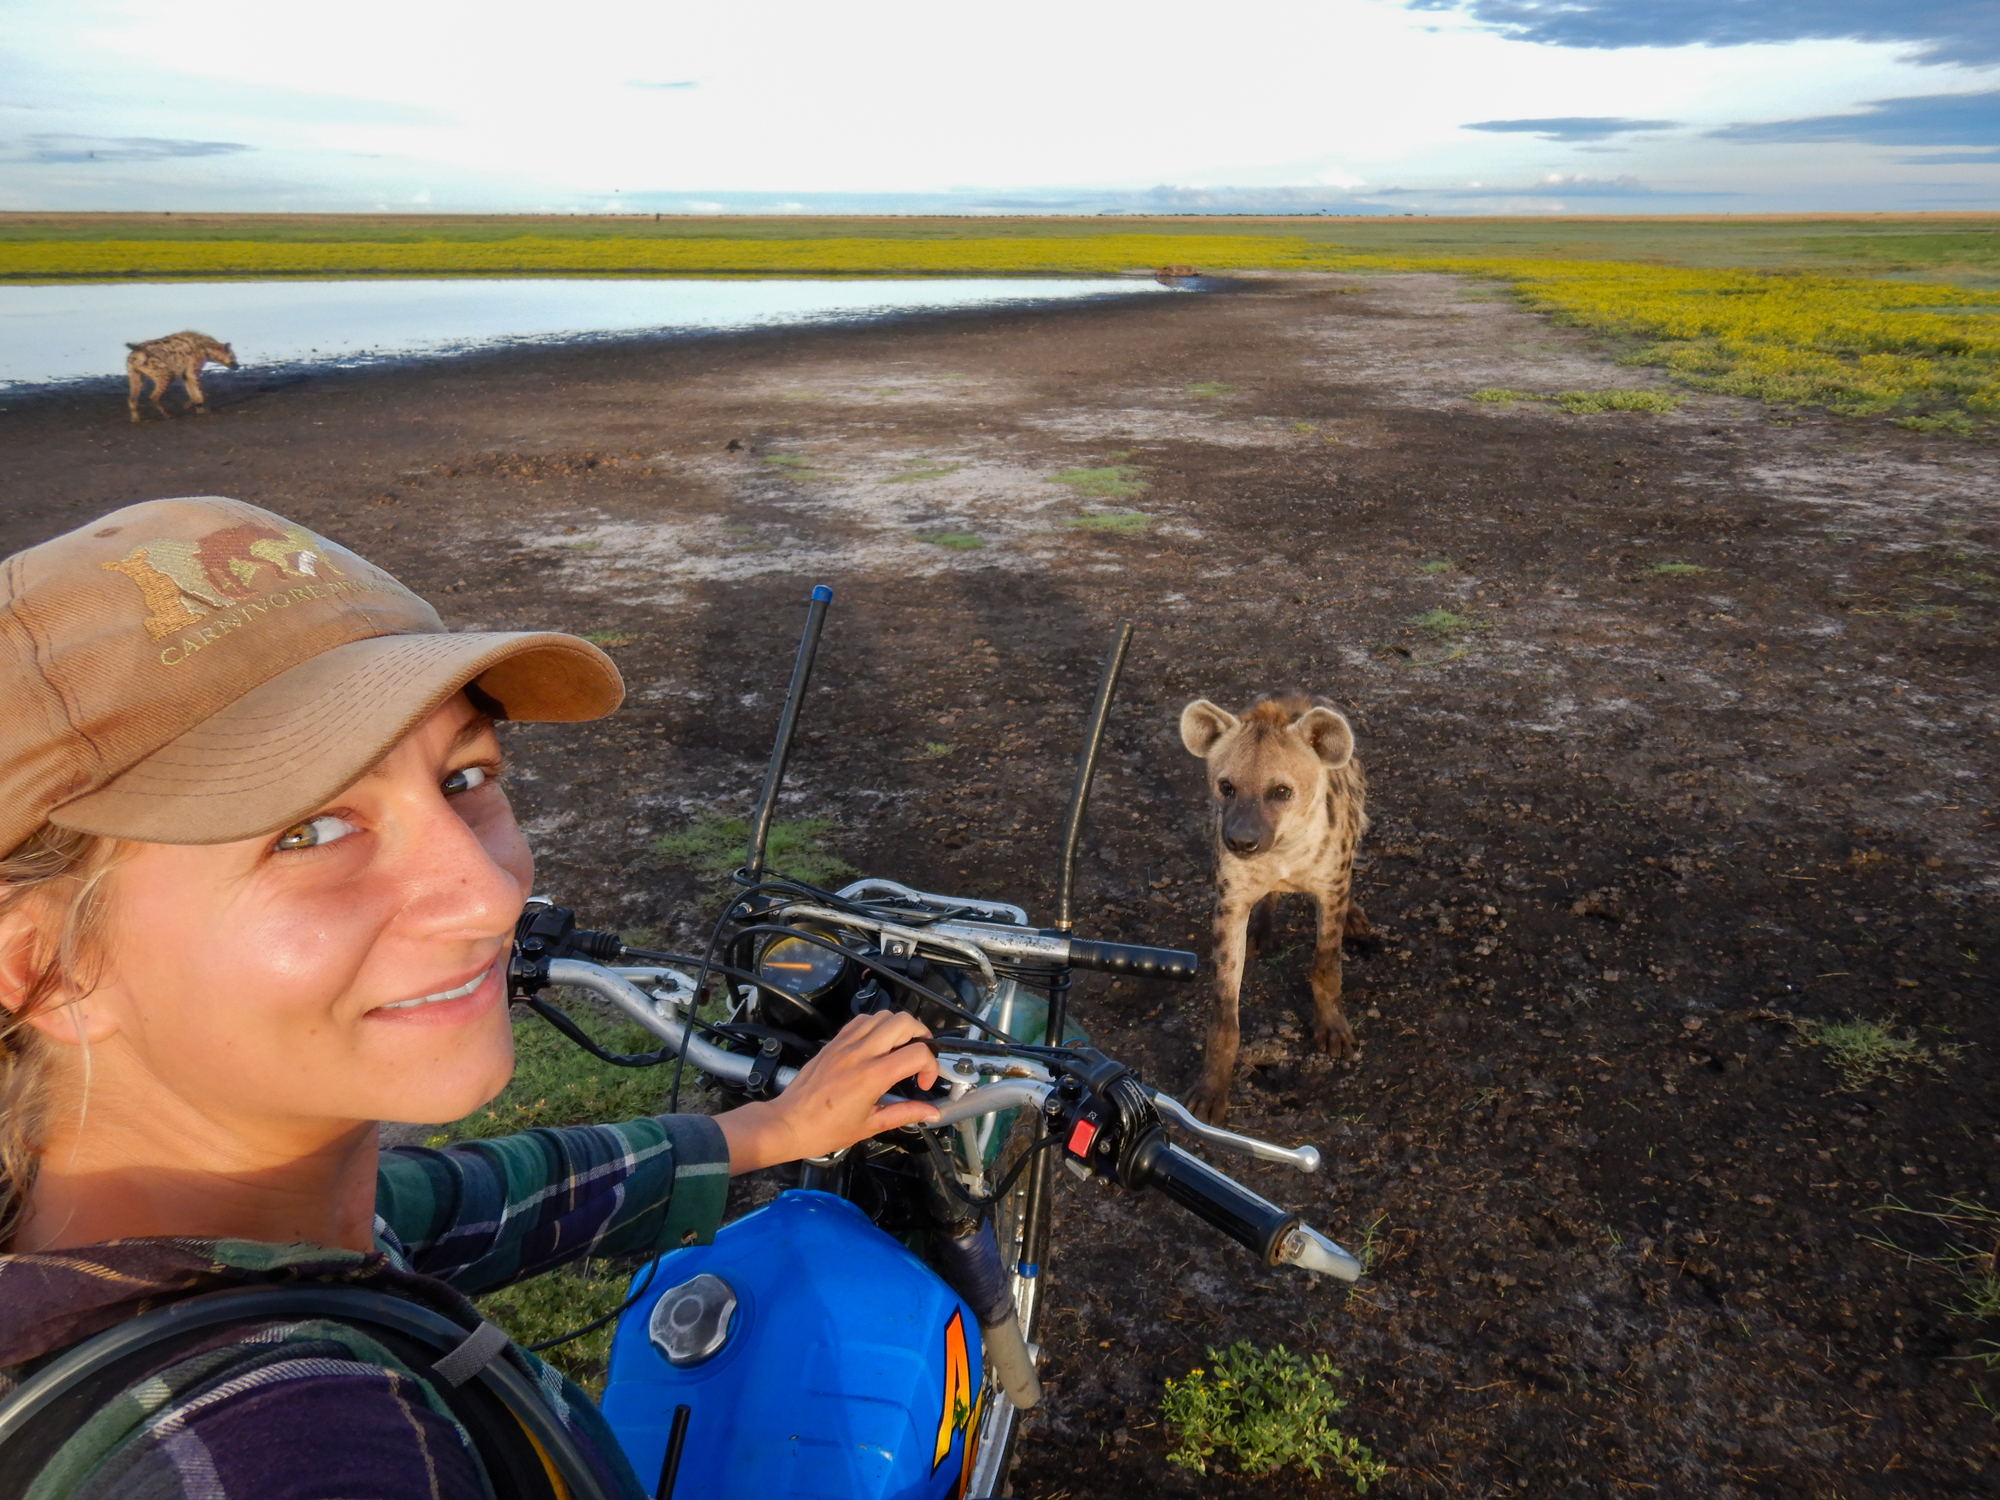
<point x="50" y="333"/>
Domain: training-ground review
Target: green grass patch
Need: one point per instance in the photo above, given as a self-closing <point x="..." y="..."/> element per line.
<point x="788" y="461"/>
<point x="550" y="1305"/>
<point x="1863" y="1052"/>
<point x="953" y="541"/>
<point x="919" y="472"/>
<point x="1110" y="520"/>
<point x="556" y="1082"/>
<point x="1500" y="395"/>
<point x="1446" y="624"/>
<point x="1678" y="569"/>
<point x="714" y="846"/>
<point x="1209" y="390"/>
<point x="1589" y="403"/>
<point x="1961" y="1239"/>
<point x="1270" y="1410"/>
<point x="1112" y="482"/>
<point x="937" y="749"/>
<point x="609" y="638"/>
<point x="1436" y="565"/>
<point x="1950" y="423"/>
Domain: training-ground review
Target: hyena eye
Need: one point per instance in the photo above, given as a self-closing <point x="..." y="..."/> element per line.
<point x="1280" y="794"/>
<point x="1226" y="788"/>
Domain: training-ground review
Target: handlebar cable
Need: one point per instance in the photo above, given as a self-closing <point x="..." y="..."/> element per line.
<point x="876" y="967"/>
<point x="949" y="1174"/>
<point x="596" y="1323"/>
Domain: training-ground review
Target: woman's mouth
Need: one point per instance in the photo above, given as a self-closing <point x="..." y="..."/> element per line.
<point x="443" y="1004"/>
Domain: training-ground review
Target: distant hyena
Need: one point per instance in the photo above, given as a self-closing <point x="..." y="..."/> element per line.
<point x="178" y="356"/>
<point x="1288" y="798"/>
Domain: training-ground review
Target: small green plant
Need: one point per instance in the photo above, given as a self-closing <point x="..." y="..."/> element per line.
<point x="713" y="846"/>
<point x="1372" y="1240"/>
<point x="1965" y="1238"/>
<point x="1678" y="569"/>
<point x="953" y="541"/>
<point x="937" y="749"/>
<point x="1271" y="1409"/>
<point x="923" y="471"/>
<point x="1304" y="429"/>
<point x="549" y="1306"/>
<point x="609" y="637"/>
<point x="581" y="546"/>
<point x="1589" y="403"/>
<point x="1445" y="624"/>
<point x="1208" y="390"/>
<point x="1956" y="423"/>
<point x="788" y="460"/>
<point x="1109" y="520"/>
<point x="1113" y="482"/>
<point x="1499" y="395"/>
<point x="1436" y="565"/>
<point x="1861" y="1051"/>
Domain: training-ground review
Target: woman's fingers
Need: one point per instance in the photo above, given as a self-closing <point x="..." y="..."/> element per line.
<point x="893" y="1116"/>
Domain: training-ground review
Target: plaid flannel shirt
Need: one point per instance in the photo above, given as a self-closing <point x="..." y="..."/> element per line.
<point x="314" y="1410"/>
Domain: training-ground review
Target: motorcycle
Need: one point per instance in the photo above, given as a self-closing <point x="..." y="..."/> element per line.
<point x="870" y="1334"/>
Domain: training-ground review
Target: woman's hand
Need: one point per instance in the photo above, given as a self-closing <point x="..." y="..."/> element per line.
<point x="832" y="1103"/>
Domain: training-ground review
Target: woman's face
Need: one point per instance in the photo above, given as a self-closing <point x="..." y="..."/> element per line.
<point x="352" y="967"/>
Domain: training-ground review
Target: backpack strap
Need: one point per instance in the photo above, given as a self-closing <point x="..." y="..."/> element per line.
<point x="460" y="1363"/>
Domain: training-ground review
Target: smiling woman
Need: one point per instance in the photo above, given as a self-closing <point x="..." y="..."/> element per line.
<point x="261" y="884"/>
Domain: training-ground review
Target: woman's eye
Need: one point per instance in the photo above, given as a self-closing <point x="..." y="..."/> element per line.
<point x="464" y="779"/>
<point x="315" y="832"/>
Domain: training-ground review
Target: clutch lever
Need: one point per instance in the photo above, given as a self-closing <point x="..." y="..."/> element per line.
<point x="1300" y="1158"/>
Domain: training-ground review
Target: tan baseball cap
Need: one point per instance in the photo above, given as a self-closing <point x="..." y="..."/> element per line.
<point x="199" y="670"/>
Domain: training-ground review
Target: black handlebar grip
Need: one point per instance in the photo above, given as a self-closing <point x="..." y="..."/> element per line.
<point x="1252" y="1222"/>
<point x="1129" y="958"/>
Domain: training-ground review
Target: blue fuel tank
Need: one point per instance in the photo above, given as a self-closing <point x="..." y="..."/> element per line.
<point x="816" y="1357"/>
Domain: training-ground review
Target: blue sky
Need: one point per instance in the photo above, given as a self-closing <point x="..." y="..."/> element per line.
<point x="1369" y="106"/>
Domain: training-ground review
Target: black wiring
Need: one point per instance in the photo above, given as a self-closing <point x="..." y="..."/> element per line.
<point x="883" y="969"/>
<point x="973" y="1200"/>
<point x="596" y="1323"/>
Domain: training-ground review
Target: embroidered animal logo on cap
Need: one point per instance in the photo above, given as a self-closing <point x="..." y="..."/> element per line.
<point x="182" y="581"/>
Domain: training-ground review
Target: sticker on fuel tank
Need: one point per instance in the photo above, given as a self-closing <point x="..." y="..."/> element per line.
<point x="956" y="1412"/>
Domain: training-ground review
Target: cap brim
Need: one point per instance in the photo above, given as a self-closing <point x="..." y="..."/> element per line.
<point x="288" y="746"/>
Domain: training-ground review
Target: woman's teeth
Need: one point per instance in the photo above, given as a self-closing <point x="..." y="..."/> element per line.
<point x="458" y="994"/>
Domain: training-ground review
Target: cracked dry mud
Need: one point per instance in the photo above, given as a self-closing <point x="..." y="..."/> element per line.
<point x="1627" y="821"/>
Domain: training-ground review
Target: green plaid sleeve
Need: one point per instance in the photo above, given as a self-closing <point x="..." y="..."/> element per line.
<point x="485" y="1213"/>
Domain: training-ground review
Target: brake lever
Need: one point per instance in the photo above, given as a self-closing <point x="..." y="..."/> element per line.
<point x="1301" y="1158"/>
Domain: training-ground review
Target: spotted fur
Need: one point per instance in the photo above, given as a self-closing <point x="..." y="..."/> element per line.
<point x="178" y="356"/>
<point x="1287" y="814"/>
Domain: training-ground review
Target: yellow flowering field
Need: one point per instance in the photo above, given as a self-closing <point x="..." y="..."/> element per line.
<point x="1926" y="353"/>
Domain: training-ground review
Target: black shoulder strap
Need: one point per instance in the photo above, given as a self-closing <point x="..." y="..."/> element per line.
<point x="513" y="1426"/>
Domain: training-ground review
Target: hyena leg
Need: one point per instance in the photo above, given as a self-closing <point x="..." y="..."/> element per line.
<point x="1262" y="917"/>
<point x="1357" y="925"/>
<point x="1331" y="1033"/>
<point x="1210" y="1099"/>
<point x="159" y="390"/>
<point x="134" y="383"/>
<point x="191" y="383"/>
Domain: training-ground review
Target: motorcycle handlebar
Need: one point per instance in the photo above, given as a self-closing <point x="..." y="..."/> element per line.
<point x="1131" y="958"/>
<point x="1259" y="1226"/>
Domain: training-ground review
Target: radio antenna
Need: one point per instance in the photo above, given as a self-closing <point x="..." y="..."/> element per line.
<point x="788" y="723"/>
<point x="1086" y="771"/>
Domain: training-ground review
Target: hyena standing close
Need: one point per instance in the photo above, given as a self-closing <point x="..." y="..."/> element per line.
<point x="1288" y="799"/>
<point x="178" y="356"/>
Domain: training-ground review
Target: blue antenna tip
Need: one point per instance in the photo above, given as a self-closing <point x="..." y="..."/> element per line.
<point x="822" y="593"/>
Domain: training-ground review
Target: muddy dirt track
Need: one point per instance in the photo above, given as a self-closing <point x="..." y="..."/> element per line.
<point x="1629" y="826"/>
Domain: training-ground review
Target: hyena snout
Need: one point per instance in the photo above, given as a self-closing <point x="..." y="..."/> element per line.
<point x="1247" y="830"/>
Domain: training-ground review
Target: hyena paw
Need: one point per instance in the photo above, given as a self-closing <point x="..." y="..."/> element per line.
<point x="1335" y="1038"/>
<point x="1209" y="1100"/>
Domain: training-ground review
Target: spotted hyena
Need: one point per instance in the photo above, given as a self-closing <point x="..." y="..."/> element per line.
<point x="178" y="356"/>
<point x="1288" y="797"/>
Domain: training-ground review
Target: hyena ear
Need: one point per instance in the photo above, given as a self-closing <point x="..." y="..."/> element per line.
<point x="1328" y="734"/>
<point x="1202" y="724"/>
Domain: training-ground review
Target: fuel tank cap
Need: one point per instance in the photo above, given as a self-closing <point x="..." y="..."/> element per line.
<point x="691" y="1321"/>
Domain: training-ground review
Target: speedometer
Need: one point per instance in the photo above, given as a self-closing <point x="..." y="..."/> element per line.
<point x="805" y="968"/>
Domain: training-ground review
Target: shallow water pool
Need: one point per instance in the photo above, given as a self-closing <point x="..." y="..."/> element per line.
<point x="55" y="333"/>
